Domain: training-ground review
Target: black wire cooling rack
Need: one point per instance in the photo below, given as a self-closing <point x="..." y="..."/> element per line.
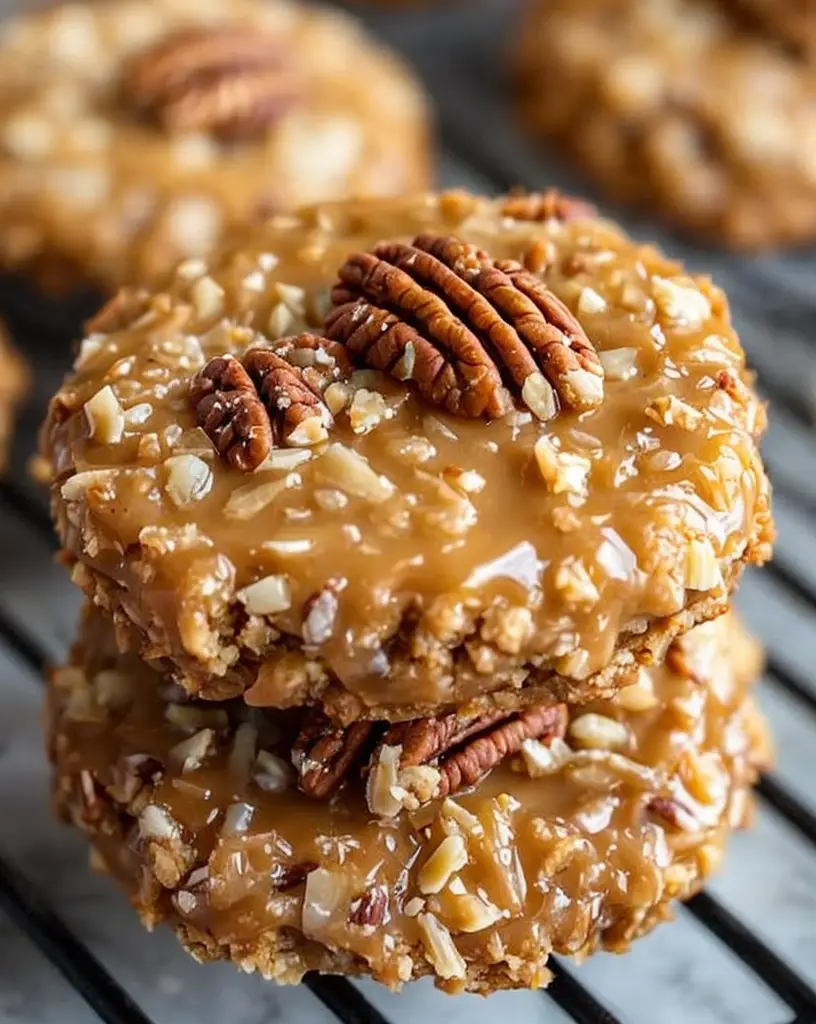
<point x="456" y="52"/>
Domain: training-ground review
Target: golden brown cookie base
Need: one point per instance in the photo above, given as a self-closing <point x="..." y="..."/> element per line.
<point x="572" y="847"/>
<point x="649" y="101"/>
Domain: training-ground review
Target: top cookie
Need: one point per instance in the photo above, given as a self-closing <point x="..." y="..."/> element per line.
<point x="134" y="133"/>
<point x="491" y="482"/>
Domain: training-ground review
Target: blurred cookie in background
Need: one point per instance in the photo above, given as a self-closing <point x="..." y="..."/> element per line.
<point x="680" y="107"/>
<point x="14" y="379"/>
<point x="792" y="22"/>
<point x="135" y="133"/>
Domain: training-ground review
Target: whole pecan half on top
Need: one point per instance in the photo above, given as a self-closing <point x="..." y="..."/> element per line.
<point x="543" y="206"/>
<point x="467" y="329"/>
<point x="230" y="412"/>
<point x="247" y="408"/>
<point x="231" y="81"/>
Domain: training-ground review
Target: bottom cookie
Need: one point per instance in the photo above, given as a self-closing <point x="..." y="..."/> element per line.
<point x="418" y="859"/>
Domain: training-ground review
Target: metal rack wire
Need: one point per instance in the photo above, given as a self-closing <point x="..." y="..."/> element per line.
<point x="493" y="161"/>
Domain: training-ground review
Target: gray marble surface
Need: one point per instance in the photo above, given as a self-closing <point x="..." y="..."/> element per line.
<point x="680" y="973"/>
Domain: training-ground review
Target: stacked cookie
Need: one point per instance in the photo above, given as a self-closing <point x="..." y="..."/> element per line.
<point x="697" y="110"/>
<point x="409" y="530"/>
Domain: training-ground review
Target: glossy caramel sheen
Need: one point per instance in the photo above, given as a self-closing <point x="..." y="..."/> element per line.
<point x="569" y="861"/>
<point x="481" y="563"/>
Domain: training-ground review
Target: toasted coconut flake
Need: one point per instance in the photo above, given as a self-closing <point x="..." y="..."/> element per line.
<point x="563" y="472"/>
<point x="251" y="499"/>
<point x="323" y="901"/>
<point x="545" y="759"/>
<point x="462" y="817"/>
<point x="345" y="469"/>
<point x="189" y="479"/>
<point x="190" y="718"/>
<point x="448" y="858"/>
<point x="619" y="363"/>
<point x="208" y="297"/>
<point x="268" y="596"/>
<point x="598" y="732"/>
<point x="589" y="301"/>
<point x="440" y="948"/>
<point x="703" y="571"/>
<point x="106" y="419"/>
<point x="242" y="756"/>
<point x="272" y="774"/>
<point x="681" y="301"/>
<point x="157" y="823"/>
<point x="539" y="396"/>
<point x="367" y="410"/>
<point x="191" y="753"/>
<point x="382" y="780"/>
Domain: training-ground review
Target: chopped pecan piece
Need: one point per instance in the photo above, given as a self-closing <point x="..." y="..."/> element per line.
<point x="231" y="414"/>
<point x="543" y="206"/>
<point x="465" y="751"/>
<point x="290" y="876"/>
<point x="324" y="755"/>
<point x="371" y="909"/>
<point x="231" y="81"/>
<point x="465" y="328"/>
<point x="674" y="813"/>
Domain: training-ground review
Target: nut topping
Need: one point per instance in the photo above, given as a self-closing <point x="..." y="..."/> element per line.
<point x="470" y="329"/>
<point x="466" y="751"/>
<point x="544" y="206"/>
<point x="231" y="414"/>
<point x="325" y="755"/>
<point x="461" y="749"/>
<point x="229" y="81"/>
<point x="248" y="409"/>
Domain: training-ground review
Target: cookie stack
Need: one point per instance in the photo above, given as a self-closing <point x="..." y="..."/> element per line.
<point x="408" y="530"/>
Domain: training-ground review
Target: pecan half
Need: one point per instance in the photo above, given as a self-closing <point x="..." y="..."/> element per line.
<point x="464" y="327"/>
<point x="248" y="408"/>
<point x="231" y="414"/>
<point x="230" y="81"/>
<point x="324" y="755"/>
<point x="462" y="749"/>
<point x="465" y="751"/>
<point x="287" y="397"/>
<point x="543" y="206"/>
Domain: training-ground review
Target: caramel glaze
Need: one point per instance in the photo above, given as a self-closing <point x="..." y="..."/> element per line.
<point x="480" y="562"/>
<point x="570" y="861"/>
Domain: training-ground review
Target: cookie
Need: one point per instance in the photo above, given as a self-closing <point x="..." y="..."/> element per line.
<point x="677" y="107"/>
<point x="135" y="133"/>
<point x="579" y="840"/>
<point x="389" y="457"/>
<point x="791" y="23"/>
<point x="14" y="379"/>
